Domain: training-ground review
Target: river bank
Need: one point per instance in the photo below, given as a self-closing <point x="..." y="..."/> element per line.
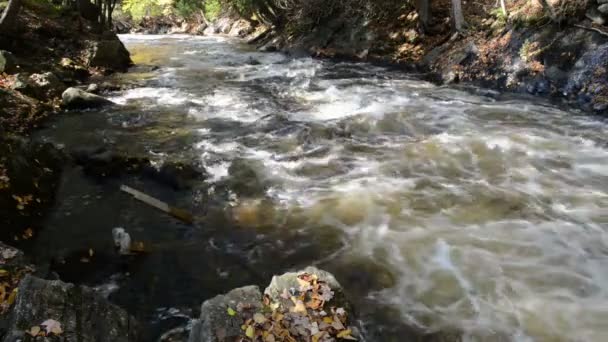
<point x="527" y="52"/>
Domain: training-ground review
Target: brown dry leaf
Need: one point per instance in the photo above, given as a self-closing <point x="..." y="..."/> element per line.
<point x="269" y="338"/>
<point x="27" y="234"/>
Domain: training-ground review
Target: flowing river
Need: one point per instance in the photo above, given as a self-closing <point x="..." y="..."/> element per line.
<point x="440" y="209"/>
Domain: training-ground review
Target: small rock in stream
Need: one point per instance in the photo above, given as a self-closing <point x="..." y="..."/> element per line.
<point x="75" y="98"/>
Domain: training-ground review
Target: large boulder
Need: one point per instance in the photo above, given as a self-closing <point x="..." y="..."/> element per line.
<point x="245" y="311"/>
<point x="78" y="98"/>
<point x="109" y="53"/>
<point x="8" y="63"/>
<point x="84" y="315"/>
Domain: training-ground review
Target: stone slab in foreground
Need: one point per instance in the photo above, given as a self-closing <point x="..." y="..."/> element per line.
<point x="84" y="315"/>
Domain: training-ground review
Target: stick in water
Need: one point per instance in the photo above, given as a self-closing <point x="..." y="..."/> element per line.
<point x="179" y="214"/>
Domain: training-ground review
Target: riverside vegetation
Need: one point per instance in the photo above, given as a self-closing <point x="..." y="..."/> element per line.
<point x="444" y="159"/>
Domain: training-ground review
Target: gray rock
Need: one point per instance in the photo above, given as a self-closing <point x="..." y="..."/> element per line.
<point x="290" y="280"/>
<point x="84" y="315"/>
<point x="595" y="16"/>
<point x="8" y="63"/>
<point x="110" y="53"/>
<point x="93" y="88"/>
<point x="77" y="98"/>
<point x="603" y="8"/>
<point x="602" y="2"/>
<point x="216" y="325"/>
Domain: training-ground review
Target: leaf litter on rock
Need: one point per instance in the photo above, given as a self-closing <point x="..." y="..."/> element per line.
<point x="303" y="316"/>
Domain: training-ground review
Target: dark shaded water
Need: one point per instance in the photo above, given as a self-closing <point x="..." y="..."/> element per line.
<point x="434" y="207"/>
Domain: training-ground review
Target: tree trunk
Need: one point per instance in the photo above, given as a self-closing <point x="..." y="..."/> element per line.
<point x="424" y="13"/>
<point x="7" y="21"/>
<point x="457" y="15"/>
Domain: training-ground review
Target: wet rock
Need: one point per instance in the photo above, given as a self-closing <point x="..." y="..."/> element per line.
<point x="595" y="16"/>
<point x="122" y="240"/>
<point x="11" y="256"/>
<point x="77" y="98"/>
<point x="109" y="53"/>
<point x="103" y="163"/>
<point x="253" y="61"/>
<point x="84" y="315"/>
<point x="100" y="162"/>
<point x="179" y="176"/>
<point x="30" y="176"/>
<point x="215" y="325"/>
<point x="8" y="63"/>
<point x="247" y="178"/>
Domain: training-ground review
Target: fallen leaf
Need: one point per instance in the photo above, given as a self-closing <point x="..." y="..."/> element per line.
<point x="299" y="307"/>
<point x="34" y="331"/>
<point x="336" y="324"/>
<point x="91" y="253"/>
<point x="52" y="326"/>
<point x="346" y="335"/>
<point x="3" y="273"/>
<point x="11" y="298"/>
<point x="259" y="318"/>
<point x="27" y="234"/>
<point x="250" y="332"/>
<point x="231" y="312"/>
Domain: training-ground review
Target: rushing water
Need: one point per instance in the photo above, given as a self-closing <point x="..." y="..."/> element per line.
<point x="438" y="208"/>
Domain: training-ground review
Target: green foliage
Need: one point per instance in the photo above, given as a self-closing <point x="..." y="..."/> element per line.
<point x="142" y="8"/>
<point x="213" y="8"/>
<point x="187" y="8"/>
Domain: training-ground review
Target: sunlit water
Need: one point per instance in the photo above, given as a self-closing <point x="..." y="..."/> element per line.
<point x="444" y="209"/>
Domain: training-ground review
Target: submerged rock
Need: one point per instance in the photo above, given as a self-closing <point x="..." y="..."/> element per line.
<point x="77" y="98"/>
<point x="84" y="315"/>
